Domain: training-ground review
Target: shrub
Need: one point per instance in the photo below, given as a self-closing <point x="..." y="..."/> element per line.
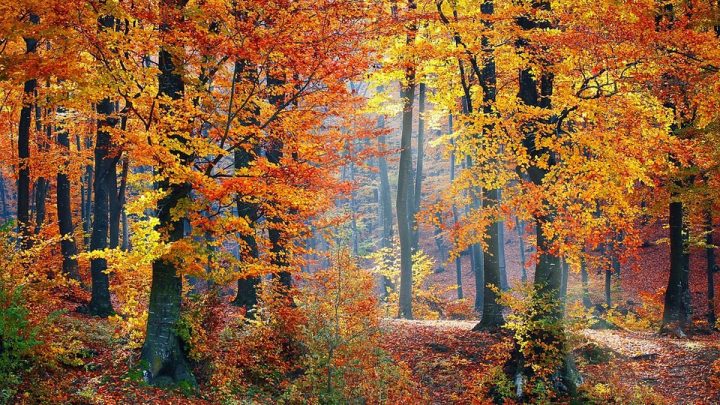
<point x="17" y="340"/>
<point x="427" y="299"/>
<point x="320" y="344"/>
<point x="342" y="359"/>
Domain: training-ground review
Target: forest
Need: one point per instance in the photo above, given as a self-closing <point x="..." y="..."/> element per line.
<point x="359" y="201"/>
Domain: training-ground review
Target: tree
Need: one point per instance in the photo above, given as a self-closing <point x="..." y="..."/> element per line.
<point x="105" y="174"/>
<point x="163" y="354"/>
<point x="68" y="246"/>
<point x="492" y="317"/>
<point x="417" y="191"/>
<point x="246" y="285"/>
<point x="29" y="88"/>
<point x="407" y="94"/>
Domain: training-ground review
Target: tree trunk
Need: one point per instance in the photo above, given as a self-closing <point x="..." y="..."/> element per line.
<point x="385" y="201"/>
<point x="417" y="193"/>
<point x="458" y="261"/>
<point x="675" y="313"/>
<point x="402" y="204"/>
<point x="117" y="209"/>
<point x="41" y="184"/>
<point x="520" y="225"/>
<point x="23" y="203"/>
<point x="492" y="317"/>
<point x="564" y="283"/>
<point x="41" y="188"/>
<point x="68" y="248"/>
<point x="163" y="353"/>
<point x="247" y="285"/>
<point x="504" y="284"/>
<point x="440" y="244"/>
<point x="3" y="200"/>
<point x="547" y="306"/>
<point x="274" y="154"/>
<point x="407" y="94"/>
<point x="711" y="267"/>
<point x="113" y="206"/>
<point x="100" y="304"/>
<point x="584" y="280"/>
<point x="90" y="181"/>
<point x="608" y="287"/>
<point x="125" y="245"/>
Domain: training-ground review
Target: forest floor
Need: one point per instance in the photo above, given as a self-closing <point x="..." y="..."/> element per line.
<point x="445" y="357"/>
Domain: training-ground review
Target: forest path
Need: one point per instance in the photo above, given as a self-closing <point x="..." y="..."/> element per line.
<point x="443" y="354"/>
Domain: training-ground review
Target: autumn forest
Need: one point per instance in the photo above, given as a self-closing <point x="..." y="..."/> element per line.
<point x="359" y="201"/>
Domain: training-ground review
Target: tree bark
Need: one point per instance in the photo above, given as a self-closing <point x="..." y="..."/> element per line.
<point x="521" y="246"/>
<point x="274" y="154"/>
<point x="385" y="201"/>
<point x="23" y="203"/>
<point x="41" y="184"/>
<point x="407" y="94"/>
<point x="608" y="281"/>
<point x="88" y="206"/>
<point x="247" y="285"/>
<point x="587" y="303"/>
<point x="675" y="313"/>
<point x="100" y="304"/>
<point x="417" y="193"/>
<point x="68" y="248"/>
<point x="492" y="317"/>
<point x="163" y="353"/>
<point x="458" y="261"/>
<point x="403" y="216"/>
<point x="504" y="284"/>
<point x="547" y="306"/>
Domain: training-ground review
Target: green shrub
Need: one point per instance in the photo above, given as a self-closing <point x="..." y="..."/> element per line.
<point x="17" y="340"/>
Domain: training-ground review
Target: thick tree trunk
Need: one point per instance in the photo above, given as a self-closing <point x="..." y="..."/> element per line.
<point x="492" y="317"/>
<point x="247" y="285"/>
<point x="100" y="304"/>
<point x="104" y="190"/>
<point x="710" y="269"/>
<point x="407" y="94"/>
<point x="547" y="305"/>
<point x="23" y="198"/>
<point x="68" y="248"/>
<point x="274" y="154"/>
<point x="402" y="203"/>
<point x="163" y="353"/>
<point x="675" y="313"/>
